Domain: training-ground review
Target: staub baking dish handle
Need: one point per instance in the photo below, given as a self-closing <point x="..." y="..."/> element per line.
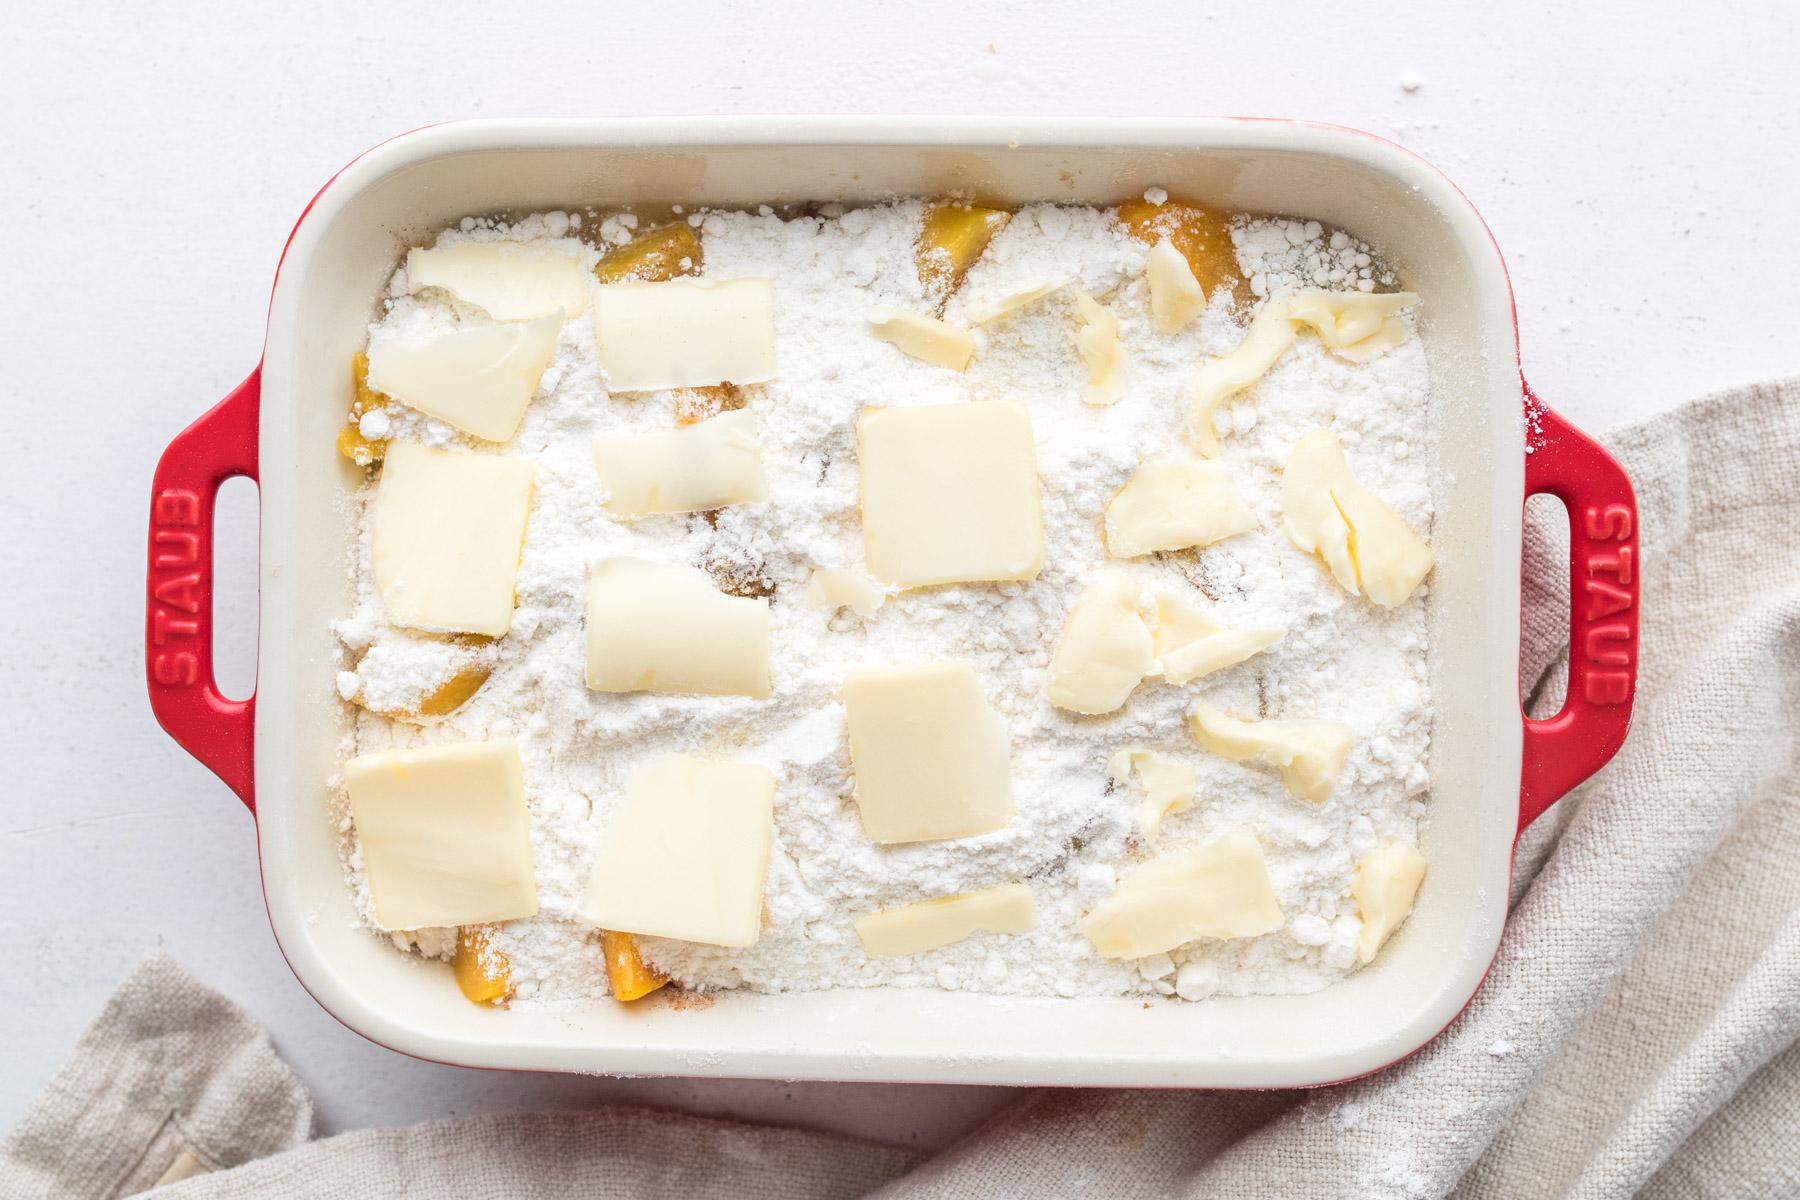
<point x="178" y="623"/>
<point x="1604" y="577"/>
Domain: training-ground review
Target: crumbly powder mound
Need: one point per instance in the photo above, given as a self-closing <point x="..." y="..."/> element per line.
<point x="1073" y="831"/>
<point x="1280" y="255"/>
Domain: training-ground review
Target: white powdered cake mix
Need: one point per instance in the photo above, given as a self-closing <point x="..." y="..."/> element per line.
<point x="1342" y="658"/>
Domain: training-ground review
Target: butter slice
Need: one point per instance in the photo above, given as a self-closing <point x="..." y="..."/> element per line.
<point x="1328" y="513"/>
<point x="687" y="853"/>
<point x="1176" y="297"/>
<point x="1219" y="889"/>
<point x="932" y="758"/>
<point x="1190" y="644"/>
<point x="685" y="333"/>
<point x="658" y="628"/>
<point x="925" y="338"/>
<point x="479" y="378"/>
<point x="1358" y="326"/>
<point x="991" y="308"/>
<point x="691" y="468"/>
<point x="1168" y="784"/>
<point x="445" y="840"/>
<point x="834" y="587"/>
<point x="950" y="493"/>
<point x="1104" y="650"/>
<point x="1172" y="503"/>
<point x="447" y="529"/>
<point x="1097" y="341"/>
<point x="916" y="928"/>
<point x="1387" y="880"/>
<point x="1309" y="754"/>
<point x="510" y="281"/>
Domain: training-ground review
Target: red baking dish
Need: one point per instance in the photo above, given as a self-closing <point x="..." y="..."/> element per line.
<point x="1494" y="771"/>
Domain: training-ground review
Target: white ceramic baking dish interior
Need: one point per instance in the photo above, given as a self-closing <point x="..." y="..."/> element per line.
<point x="336" y="267"/>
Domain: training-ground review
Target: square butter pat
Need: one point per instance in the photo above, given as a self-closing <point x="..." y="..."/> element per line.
<point x="1219" y="889"/>
<point x="930" y="924"/>
<point x="446" y="533"/>
<point x="950" y="493"/>
<point x="686" y="853"/>
<point x="932" y="759"/>
<point x="510" y="281"/>
<point x="685" y="333"/>
<point x="690" y="469"/>
<point x="477" y="377"/>
<point x="444" y="834"/>
<point x="657" y="628"/>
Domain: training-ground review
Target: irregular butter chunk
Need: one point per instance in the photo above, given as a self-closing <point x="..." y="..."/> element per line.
<point x="1168" y="784"/>
<point x="686" y="853"/>
<point x="950" y="493"/>
<point x="1173" y="502"/>
<point x="925" y="338"/>
<point x="446" y="533"/>
<point x="1309" y="754"/>
<point x="834" y="587"/>
<point x="1219" y="889"/>
<point x="932" y="759"/>
<point x="950" y="240"/>
<point x="479" y="378"/>
<point x="989" y="309"/>
<point x="1387" y="880"/>
<point x="685" y="333"/>
<point x="1104" y="650"/>
<point x="658" y="628"/>
<point x="1190" y="644"/>
<point x="1097" y="341"/>
<point x="627" y="974"/>
<point x="1357" y="326"/>
<point x="691" y="468"/>
<point x="1328" y="513"/>
<point x="916" y="928"/>
<point x="1176" y="297"/>
<point x="445" y="840"/>
<point x="510" y="281"/>
<point x="1200" y="232"/>
<point x="482" y="971"/>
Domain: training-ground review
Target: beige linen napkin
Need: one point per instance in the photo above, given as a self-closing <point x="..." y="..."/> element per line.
<point x="1639" y="1033"/>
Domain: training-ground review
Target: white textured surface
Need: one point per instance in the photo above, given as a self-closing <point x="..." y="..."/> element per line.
<point x="1631" y="162"/>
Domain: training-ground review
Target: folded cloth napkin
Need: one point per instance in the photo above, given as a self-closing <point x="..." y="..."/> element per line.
<point x="1639" y="1033"/>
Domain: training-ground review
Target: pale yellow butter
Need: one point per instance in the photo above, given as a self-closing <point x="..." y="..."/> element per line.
<point x="925" y="338"/>
<point x="479" y="378"/>
<point x="991" y="308"/>
<point x="1176" y="297"/>
<point x="444" y="835"/>
<point x="686" y="853"/>
<point x="1172" y="503"/>
<point x="692" y="468"/>
<point x="1104" y="649"/>
<point x="1191" y="645"/>
<point x="685" y="333"/>
<point x="1308" y="754"/>
<point x="510" y="281"/>
<point x="834" y="587"/>
<point x="1103" y="353"/>
<point x="916" y="928"/>
<point x="950" y="493"/>
<point x="1387" y="880"/>
<point x="446" y="532"/>
<point x="653" y="627"/>
<point x="1328" y="513"/>
<point x="1219" y="889"/>
<point x="1168" y="784"/>
<point x="932" y="758"/>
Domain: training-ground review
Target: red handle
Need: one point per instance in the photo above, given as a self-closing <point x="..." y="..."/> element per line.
<point x="1604" y="576"/>
<point x="178" y="626"/>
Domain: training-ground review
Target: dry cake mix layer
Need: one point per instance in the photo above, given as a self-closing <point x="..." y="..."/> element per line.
<point x="1252" y="391"/>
